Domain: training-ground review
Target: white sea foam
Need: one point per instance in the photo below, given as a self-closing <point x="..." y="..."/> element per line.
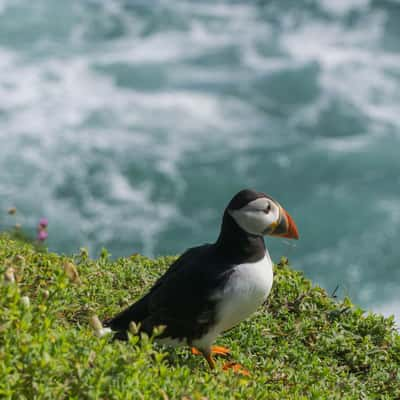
<point x="354" y="67"/>
<point x="342" y="7"/>
<point x="391" y="308"/>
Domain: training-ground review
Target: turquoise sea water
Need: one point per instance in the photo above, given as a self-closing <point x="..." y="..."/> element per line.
<point x="130" y="124"/>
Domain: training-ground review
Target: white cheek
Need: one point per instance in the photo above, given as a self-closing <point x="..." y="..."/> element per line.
<point x="253" y="222"/>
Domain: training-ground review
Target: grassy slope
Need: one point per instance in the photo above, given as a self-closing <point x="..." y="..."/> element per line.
<point x="301" y="345"/>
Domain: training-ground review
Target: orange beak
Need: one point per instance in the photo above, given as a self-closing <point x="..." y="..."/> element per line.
<point x="286" y="227"/>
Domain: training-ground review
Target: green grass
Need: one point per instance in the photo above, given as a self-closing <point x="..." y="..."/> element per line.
<point x="301" y="345"/>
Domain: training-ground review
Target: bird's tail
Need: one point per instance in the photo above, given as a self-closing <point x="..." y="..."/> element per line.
<point x="137" y="313"/>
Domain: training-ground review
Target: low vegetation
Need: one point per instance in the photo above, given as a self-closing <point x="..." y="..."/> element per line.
<point x="303" y="344"/>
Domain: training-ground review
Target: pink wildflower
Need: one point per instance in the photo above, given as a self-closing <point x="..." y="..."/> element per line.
<point x="42" y="235"/>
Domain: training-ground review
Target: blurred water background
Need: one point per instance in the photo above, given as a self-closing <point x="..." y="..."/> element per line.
<point x="130" y="124"/>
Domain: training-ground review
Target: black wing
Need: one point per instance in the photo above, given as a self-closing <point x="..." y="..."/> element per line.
<point x="181" y="298"/>
<point x="139" y="311"/>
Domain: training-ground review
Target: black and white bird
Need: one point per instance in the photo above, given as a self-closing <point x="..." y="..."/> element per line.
<point x="211" y="288"/>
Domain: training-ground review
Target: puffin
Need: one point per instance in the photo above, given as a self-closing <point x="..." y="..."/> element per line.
<point x="211" y="288"/>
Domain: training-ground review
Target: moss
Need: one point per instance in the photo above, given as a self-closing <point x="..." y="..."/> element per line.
<point x="301" y="345"/>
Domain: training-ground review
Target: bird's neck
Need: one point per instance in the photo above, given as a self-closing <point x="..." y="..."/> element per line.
<point x="238" y="245"/>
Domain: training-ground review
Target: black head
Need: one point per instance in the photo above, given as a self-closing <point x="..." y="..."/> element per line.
<point x="244" y="197"/>
<point x="258" y="214"/>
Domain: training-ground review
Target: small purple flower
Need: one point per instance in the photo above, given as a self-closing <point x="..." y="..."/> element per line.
<point x="43" y="222"/>
<point x="42" y="235"/>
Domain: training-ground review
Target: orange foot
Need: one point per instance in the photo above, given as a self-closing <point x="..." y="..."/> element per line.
<point x="217" y="350"/>
<point x="236" y="367"/>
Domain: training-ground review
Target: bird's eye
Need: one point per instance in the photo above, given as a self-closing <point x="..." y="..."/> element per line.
<point x="268" y="209"/>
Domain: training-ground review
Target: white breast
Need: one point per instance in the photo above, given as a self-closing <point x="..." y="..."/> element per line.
<point x="247" y="288"/>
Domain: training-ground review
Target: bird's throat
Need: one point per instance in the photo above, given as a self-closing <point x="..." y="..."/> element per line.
<point x="233" y="242"/>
